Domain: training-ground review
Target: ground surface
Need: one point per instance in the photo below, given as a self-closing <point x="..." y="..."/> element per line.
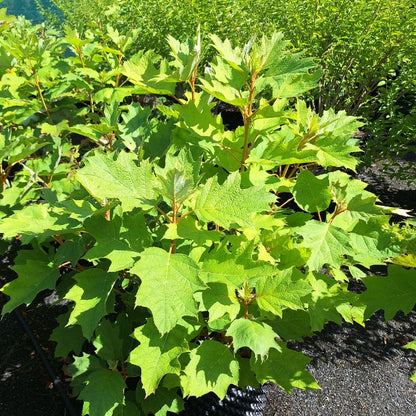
<point x="361" y="371"/>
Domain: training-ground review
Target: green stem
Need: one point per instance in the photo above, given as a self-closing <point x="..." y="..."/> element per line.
<point x="42" y="98"/>
<point x="87" y="78"/>
<point x="39" y="89"/>
<point x="119" y="58"/>
<point x="247" y="113"/>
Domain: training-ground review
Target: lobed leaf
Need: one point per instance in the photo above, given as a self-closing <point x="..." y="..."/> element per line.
<point x="164" y="401"/>
<point x="104" y="177"/>
<point x="328" y="244"/>
<point x="36" y="272"/>
<point x="201" y="377"/>
<point x="258" y="336"/>
<point x="37" y="221"/>
<point x="168" y="282"/>
<point x="396" y="292"/>
<point x="103" y="392"/>
<point x="157" y="355"/>
<point x="90" y="295"/>
<point x="228" y="203"/>
<point x="286" y="368"/>
<point x="219" y="299"/>
<point x="284" y="290"/>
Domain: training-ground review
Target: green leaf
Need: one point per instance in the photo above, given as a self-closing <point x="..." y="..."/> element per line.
<point x="37" y="221"/>
<point x="164" y="400"/>
<point x="225" y="91"/>
<point x="83" y="209"/>
<point x="103" y="392"/>
<point x="411" y="345"/>
<point x="330" y="300"/>
<point x="280" y="245"/>
<point x="228" y="204"/>
<point x="108" y="341"/>
<point x="143" y="73"/>
<point x="90" y="294"/>
<point x="219" y="299"/>
<point x="68" y="338"/>
<point x="178" y="179"/>
<point x="247" y="376"/>
<point x="396" y="292"/>
<point x="104" y="177"/>
<point x="258" y="336"/>
<point x="286" y="368"/>
<point x="168" y="283"/>
<point x="128" y="409"/>
<point x="332" y="152"/>
<point x="196" y="116"/>
<point x="36" y="272"/>
<point x="190" y="229"/>
<point x="231" y="54"/>
<point x="187" y="56"/>
<point x="328" y="244"/>
<point x="288" y="74"/>
<point x="284" y="290"/>
<point x="200" y="376"/>
<point x="294" y="325"/>
<point x="312" y="194"/>
<point x="121" y="248"/>
<point x="80" y="369"/>
<point x="234" y="268"/>
<point x="69" y="251"/>
<point x="284" y="149"/>
<point x="93" y="131"/>
<point x="136" y="126"/>
<point x="374" y="240"/>
<point x="158" y="355"/>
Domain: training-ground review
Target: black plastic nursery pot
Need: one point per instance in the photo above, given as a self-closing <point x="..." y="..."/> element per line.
<point x="237" y="402"/>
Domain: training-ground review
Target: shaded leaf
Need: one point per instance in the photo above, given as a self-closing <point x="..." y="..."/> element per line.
<point x="331" y="301"/>
<point x="90" y="295"/>
<point x="68" y="338"/>
<point x="286" y="368"/>
<point x="104" y="391"/>
<point x="164" y="400"/>
<point x="36" y="272"/>
<point x="219" y="299"/>
<point x="396" y="292"/>
<point x="37" y="221"/>
<point x="120" y="246"/>
<point x="234" y="268"/>
<point x="142" y="72"/>
<point x="200" y="376"/>
<point x="157" y="355"/>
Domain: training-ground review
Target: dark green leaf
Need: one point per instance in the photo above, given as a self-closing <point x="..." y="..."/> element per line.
<point x="396" y="292"/>
<point x="286" y="368"/>
<point x="90" y="295"/>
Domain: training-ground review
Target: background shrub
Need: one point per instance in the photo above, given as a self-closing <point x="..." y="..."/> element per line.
<point x="366" y="49"/>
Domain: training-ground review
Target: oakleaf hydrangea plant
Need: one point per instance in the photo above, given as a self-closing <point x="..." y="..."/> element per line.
<point x="190" y="252"/>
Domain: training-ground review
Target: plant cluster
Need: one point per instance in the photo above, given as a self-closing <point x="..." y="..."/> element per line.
<point x="181" y="242"/>
<point x="366" y="49"/>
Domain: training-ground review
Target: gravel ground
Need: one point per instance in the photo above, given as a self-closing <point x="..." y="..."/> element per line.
<point x="361" y="371"/>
